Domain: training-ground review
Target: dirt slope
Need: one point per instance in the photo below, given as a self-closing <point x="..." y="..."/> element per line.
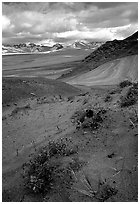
<point x="108" y="154"/>
<point x="14" y="89"/>
<point x="109" y="73"/>
<point x="100" y="161"/>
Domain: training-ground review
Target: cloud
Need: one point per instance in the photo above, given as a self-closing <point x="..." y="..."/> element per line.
<point x="108" y="17"/>
<point x="68" y="20"/>
<point x="36" y="22"/>
<point x="5" y="22"/>
<point x="100" y="34"/>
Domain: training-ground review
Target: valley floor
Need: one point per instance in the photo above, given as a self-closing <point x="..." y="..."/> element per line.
<point x="108" y="155"/>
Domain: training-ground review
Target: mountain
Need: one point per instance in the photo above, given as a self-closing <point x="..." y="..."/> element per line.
<point x="114" y="49"/>
<point x="109" y="51"/>
<point x="10" y="49"/>
<point x="133" y="37"/>
<point x="85" y="45"/>
<point x="57" y="47"/>
<point x="22" y="48"/>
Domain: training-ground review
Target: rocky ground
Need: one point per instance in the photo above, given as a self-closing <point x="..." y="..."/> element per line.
<point x="75" y="145"/>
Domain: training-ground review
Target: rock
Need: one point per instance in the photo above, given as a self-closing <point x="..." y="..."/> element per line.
<point x="111" y="155"/>
<point x="89" y="113"/>
<point x="33" y="94"/>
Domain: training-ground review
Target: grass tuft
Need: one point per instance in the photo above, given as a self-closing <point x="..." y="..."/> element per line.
<point x="108" y="98"/>
<point x="42" y="171"/>
<point x="102" y="193"/>
<point x="125" y="83"/>
<point x="131" y="96"/>
<point x="89" y="118"/>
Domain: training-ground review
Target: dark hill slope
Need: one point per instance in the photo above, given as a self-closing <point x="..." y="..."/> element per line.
<point x="133" y="37"/>
<point x="14" y="89"/>
<point x="109" y="51"/>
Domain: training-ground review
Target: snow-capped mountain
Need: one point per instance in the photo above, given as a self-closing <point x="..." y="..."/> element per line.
<point x="86" y="45"/>
<point x="25" y="48"/>
<point x="57" y="46"/>
<point x="10" y="49"/>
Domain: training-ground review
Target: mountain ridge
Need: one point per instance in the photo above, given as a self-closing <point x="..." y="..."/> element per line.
<point x="23" y="48"/>
<point x="110" y="50"/>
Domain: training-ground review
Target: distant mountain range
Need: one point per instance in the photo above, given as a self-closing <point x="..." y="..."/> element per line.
<point x="85" y="45"/>
<point x="24" y="48"/>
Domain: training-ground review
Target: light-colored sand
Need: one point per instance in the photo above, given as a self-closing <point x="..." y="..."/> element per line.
<point x="109" y="73"/>
<point x="37" y="124"/>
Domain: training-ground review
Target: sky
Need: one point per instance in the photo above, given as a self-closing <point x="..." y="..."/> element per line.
<point x="64" y="22"/>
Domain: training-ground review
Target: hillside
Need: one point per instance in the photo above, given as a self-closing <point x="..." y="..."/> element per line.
<point x="67" y="144"/>
<point x="16" y="89"/>
<point x="49" y="156"/>
<point x="109" y="73"/>
<point x="109" y="51"/>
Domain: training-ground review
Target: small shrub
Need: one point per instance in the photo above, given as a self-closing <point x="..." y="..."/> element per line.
<point x="79" y="116"/>
<point x="4" y="117"/>
<point x="116" y="91"/>
<point x="135" y="85"/>
<point x="106" y="191"/>
<point x="84" y="94"/>
<point x="40" y="172"/>
<point x="108" y="98"/>
<point x="85" y="101"/>
<point x="89" y="113"/>
<point x="70" y="98"/>
<point x="93" y="119"/>
<point x="130" y="98"/>
<point x="112" y="92"/>
<point x="125" y="83"/>
<point x="39" y="178"/>
<point x="60" y="148"/>
<point x="89" y="118"/>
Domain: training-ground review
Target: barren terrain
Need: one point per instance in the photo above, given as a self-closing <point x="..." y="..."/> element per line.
<point x="110" y="73"/>
<point x="75" y="138"/>
<point x="108" y="154"/>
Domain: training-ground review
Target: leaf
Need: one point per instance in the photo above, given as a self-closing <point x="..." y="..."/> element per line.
<point x="85" y="192"/>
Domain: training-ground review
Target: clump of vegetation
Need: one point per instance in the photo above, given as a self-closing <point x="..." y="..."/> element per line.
<point x="4" y="117"/>
<point x="85" y="101"/>
<point x="125" y="83"/>
<point x="112" y="92"/>
<point x="131" y="96"/>
<point x="60" y="148"/>
<point x="102" y="193"/>
<point x="135" y="85"/>
<point x="116" y="91"/>
<point x="108" y="98"/>
<point x="42" y="171"/>
<point x="70" y="98"/>
<point x="79" y="116"/>
<point x="89" y="118"/>
<point x="93" y="122"/>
